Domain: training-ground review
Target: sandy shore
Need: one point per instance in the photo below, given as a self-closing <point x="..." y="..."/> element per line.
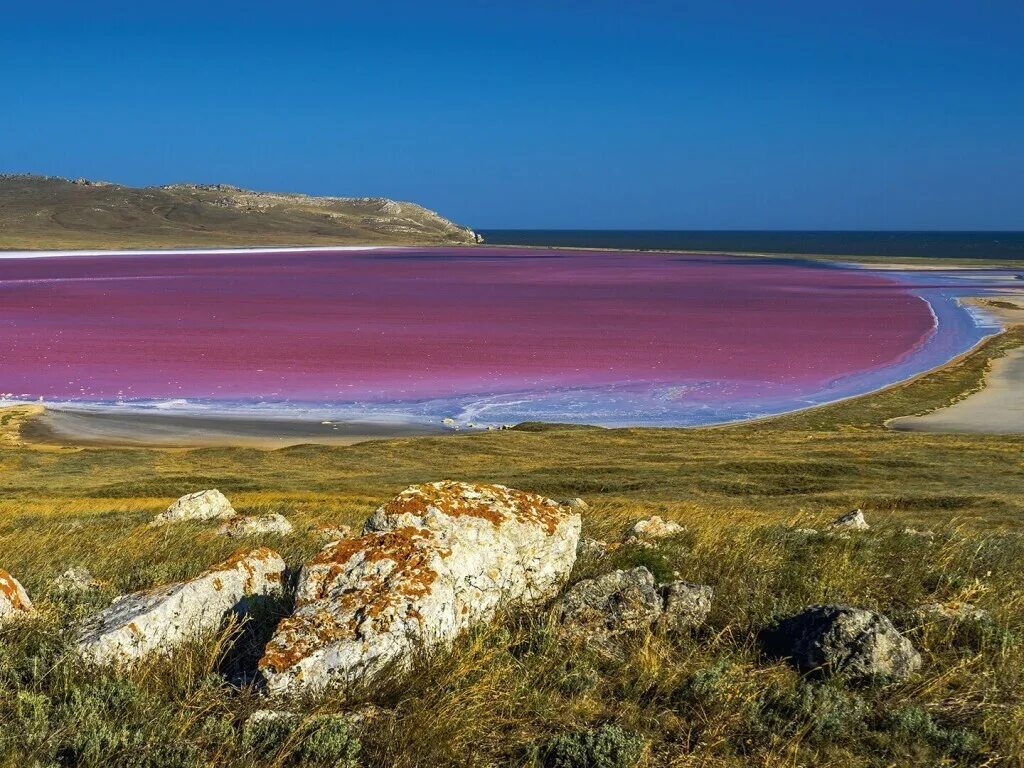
<point x="997" y="408"/>
<point x="90" y="428"/>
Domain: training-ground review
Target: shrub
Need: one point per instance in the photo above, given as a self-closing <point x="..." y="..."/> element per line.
<point x="607" y="746"/>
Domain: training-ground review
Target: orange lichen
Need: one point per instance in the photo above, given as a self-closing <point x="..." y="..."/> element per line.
<point x="11" y="590"/>
<point x="379" y="598"/>
<point x="494" y="503"/>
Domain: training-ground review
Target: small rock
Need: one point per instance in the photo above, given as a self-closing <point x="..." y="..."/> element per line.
<point x="951" y="611"/>
<point x="686" y="605"/>
<point x="610" y="604"/>
<point x="919" y="534"/>
<point x="13" y="598"/>
<point x="256" y="526"/>
<point x="159" y="620"/>
<point x="592" y="548"/>
<point x="842" y="639"/>
<point x="201" y="505"/>
<point x="574" y="503"/>
<point x="76" y="579"/>
<point x="806" y="531"/>
<point x="652" y="528"/>
<point x="851" y="521"/>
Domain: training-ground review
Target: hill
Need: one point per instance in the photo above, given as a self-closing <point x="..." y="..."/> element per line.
<point x="45" y="212"/>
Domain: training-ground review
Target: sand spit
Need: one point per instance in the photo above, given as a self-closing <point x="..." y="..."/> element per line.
<point x="91" y="428"/>
<point x="997" y="408"/>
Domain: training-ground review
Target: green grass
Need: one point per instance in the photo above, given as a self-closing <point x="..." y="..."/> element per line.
<point x="513" y="693"/>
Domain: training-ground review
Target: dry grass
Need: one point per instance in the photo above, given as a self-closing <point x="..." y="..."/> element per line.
<point x="507" y="690"/>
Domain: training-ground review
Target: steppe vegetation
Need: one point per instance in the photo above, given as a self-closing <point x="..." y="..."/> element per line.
<point x="516" y="692"/>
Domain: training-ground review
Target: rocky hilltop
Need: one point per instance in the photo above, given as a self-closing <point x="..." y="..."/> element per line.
<point x="51" y="212"/>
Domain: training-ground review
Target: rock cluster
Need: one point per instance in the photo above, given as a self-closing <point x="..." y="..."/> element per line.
<point x="13" y="598"/>
<point x="604" y="607"/>
<point x="163" y="618"/>
<point x="829" y="639"/>
<point x="435" y="560"/>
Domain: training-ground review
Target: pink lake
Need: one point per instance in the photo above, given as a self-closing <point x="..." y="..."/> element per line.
<point x="486" y="333"/>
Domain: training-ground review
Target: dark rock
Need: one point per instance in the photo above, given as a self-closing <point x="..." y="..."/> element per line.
<point x="827" y="639"/>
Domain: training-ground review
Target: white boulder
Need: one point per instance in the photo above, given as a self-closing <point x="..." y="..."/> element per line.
<point x="435" y="560"/>
<point x="851" y="521"/>
<point x="159" y="620"/>
<point x="201" y="505"/>
<point x="256" y="526"/>
<point x="13" y="598"/>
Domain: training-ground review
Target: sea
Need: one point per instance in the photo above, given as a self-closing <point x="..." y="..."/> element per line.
<point x="996" y="246"/>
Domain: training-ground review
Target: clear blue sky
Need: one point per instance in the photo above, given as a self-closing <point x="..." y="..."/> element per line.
<point x="591" y="114"/>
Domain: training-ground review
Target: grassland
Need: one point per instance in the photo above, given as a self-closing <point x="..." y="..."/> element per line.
<point x="513" y="693"/>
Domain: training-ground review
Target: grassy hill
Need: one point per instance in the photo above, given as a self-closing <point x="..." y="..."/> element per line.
<point x="41" y="212"/>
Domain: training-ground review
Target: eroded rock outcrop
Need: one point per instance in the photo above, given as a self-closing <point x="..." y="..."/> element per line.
<point x="433" y="561"/>
<point x="13" y="597"/>
<point x="161" y="619"/>
<point x="201" y="505"/>
<point x="828" y="639"/>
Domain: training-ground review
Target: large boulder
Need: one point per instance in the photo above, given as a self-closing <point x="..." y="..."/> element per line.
<point x="201" y="505"/>
<point x="602" y="608"/>
<point x="827" y="639"/>
<point x="161" y="619"/>
<point x="13" y="598"/>
<point x="435" y="560"/>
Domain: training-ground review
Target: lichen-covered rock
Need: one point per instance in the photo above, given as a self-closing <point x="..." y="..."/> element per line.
<point x="842" y="639"/>
<point x="653" y="528"/>
<point x="610" y="604"/>
<point x="592" y="548"/>
<point x="851" y="521"/>
<point x="75" y="579"/>
<point x="161" y="619"/>
<point x="13" y="598"/>
<point x="201" y="505"/>
<point x="240" y="527"/>
<point x="686" y="605"/>
<point x="435" y="560"/>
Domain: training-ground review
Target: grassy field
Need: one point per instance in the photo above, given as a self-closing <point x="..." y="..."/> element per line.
<point x="513" y="693"/>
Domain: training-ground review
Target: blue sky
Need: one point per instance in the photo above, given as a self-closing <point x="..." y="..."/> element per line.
<point x="688" y="115"/>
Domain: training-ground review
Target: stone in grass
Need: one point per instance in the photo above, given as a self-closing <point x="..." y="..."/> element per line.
<point x="623" y="601"/>
<point x="653" y="528"/>
<point x="75" y="579"/>
<point x="593" y="549"/>
<point x="834" y="639"/>
<point x="851" y="521"/>
<point x="14" y="600"/>
<point x="241" y="527"/>
<point x="436" y="559"/>
<point x="328" y="533"/>
<point x="952" y="611"/>
<point x="201" y="505"/>
<point x="159" y="620"/>
<point x="574" y="503"/>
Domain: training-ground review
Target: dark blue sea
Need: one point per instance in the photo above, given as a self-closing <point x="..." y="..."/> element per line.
<point x="942" y="245"/>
